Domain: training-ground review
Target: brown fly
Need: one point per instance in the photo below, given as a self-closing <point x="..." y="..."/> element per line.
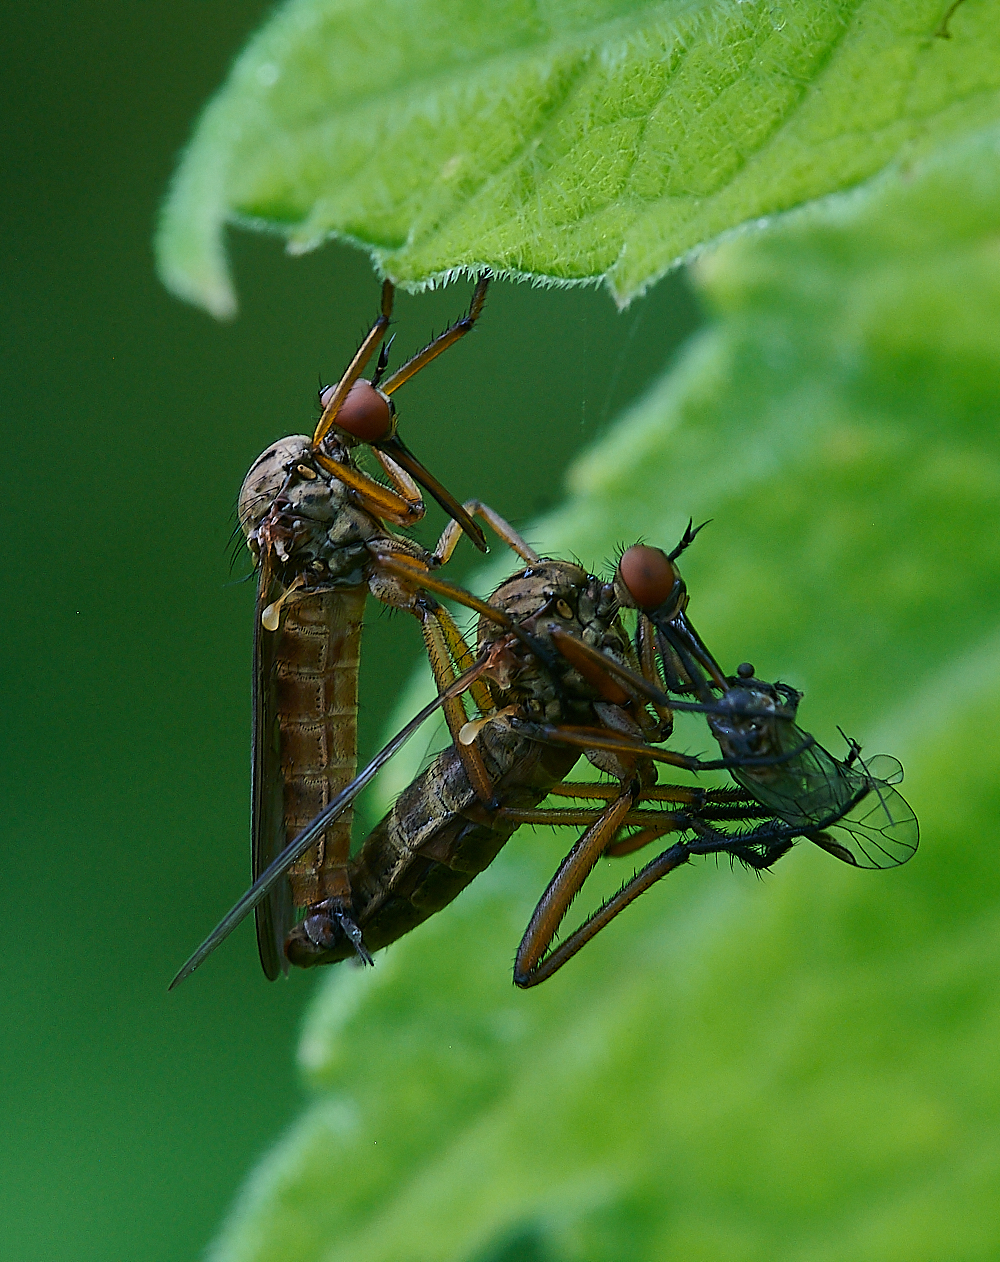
<point x="564" y="679"/>
<point x="320" y="529"/>
<point x="542" y="702"/>
<point x="848" y="808"/>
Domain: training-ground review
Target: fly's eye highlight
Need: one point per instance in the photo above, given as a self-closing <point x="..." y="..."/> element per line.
<point x="649" y="574"/>
<point x="563" y="610"/>
<point x="365" y="414"/>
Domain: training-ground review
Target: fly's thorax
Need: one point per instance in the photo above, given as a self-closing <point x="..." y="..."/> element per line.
<point x="756" y="721"/>
<point x="304" y="516"/>
<point x="272" y="477"/>
<point x="540" y="598"/>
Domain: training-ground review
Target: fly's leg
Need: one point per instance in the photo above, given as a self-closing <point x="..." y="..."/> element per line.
<point x="712" y="808"/>
<point x="354" y="369"/>
<point x="696" y="804"/>
<point x="693" y="803"/>
<point x="402" y="506"/>
<point x="400" y="575"/>
<point x="406" y="568"/>
<point x="689" y="795"/>
<point x="500" y="527"/>
<point x="595" y="738"/>
<point x="532" y="965"/>
<point x="445" y="645"/>
<point x="761" y="862"/>
<point x="409" y="492"/>
<point x="645" y="646"/>
<point x="390" y="443"/>
<point x="441" y="343"/>
<point x="758" y="849"/>
<point x="463" y="659"/>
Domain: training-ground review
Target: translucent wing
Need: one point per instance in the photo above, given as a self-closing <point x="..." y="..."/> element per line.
<point x="275" y="873"/>
<point x="879" y="831"/>
<point x="811" y="789"/>
<point x="846" y="808"/>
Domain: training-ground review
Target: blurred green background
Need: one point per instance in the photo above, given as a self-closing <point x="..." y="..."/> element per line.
<point x="801" y="1067"/>
<point x="129" y="1116"/>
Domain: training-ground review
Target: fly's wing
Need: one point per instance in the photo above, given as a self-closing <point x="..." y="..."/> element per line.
<point x="807" y="789"/>
<point x="880" y="830"/>
<point x="275" y="914"/>
<point x="276" y="873"/>
<point x="849" y="809"/>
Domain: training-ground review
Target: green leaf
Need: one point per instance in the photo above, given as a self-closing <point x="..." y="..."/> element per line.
<point x="567" y="140"/>
<point x="796" y="1068"/>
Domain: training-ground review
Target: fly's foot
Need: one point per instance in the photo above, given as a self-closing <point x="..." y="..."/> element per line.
<point x="325" y="935"/>
<point x="353" y="933"/>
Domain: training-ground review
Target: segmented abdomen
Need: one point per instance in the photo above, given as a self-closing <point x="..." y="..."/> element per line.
<point x="437" y="837"/>
<point x="316" y="670"/>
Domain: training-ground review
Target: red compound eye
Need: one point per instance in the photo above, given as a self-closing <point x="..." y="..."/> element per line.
<point x="364" y="412"/>
<point x="649" y="575"/>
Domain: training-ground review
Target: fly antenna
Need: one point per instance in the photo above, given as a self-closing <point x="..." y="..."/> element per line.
<point x="383" y="361"/>
<point x="687" y="538"/>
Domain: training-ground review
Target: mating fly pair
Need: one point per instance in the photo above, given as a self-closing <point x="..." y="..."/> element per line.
<point x="554" y="675"/>
<point x="320" y="529"/>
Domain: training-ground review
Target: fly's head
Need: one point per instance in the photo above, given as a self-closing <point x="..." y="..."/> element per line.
<point x="547" y="596"/>
<point x="366" y="416"/>
<point x="648" y="579"/>
<point x="288" y="495"/>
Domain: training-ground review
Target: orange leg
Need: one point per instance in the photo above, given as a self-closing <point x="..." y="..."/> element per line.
<point x="616" y="743"/>
<point x="533" y="965"/>
<point x="403" y="505"/>
<point x="500" y="527"/>
<point x="448" y="338"/>
<point x="530" y="967"/>
<point x="355" y="367"/>
<point x="399" y="508"/>
<point x="439" y="653"/>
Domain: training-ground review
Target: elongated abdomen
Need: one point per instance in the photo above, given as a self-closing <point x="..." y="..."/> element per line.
<point x="316" y="676"/>
<point x="435" y="839"/>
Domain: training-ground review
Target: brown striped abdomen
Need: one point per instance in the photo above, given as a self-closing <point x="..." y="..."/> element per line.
<point x="437" y="837"/>
<point x="316" y="671"/>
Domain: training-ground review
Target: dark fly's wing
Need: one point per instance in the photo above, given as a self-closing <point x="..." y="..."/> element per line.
<point x="846" y="808"/>
<point x="276" y="873"/>
<point x="880" y="831"/>
<point x="275" y="914"/>
<point x="809" y="788"/>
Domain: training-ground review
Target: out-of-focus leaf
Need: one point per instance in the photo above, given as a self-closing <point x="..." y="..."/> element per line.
<point x="567" y="140"/>
<point x="796" y="1068"/>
